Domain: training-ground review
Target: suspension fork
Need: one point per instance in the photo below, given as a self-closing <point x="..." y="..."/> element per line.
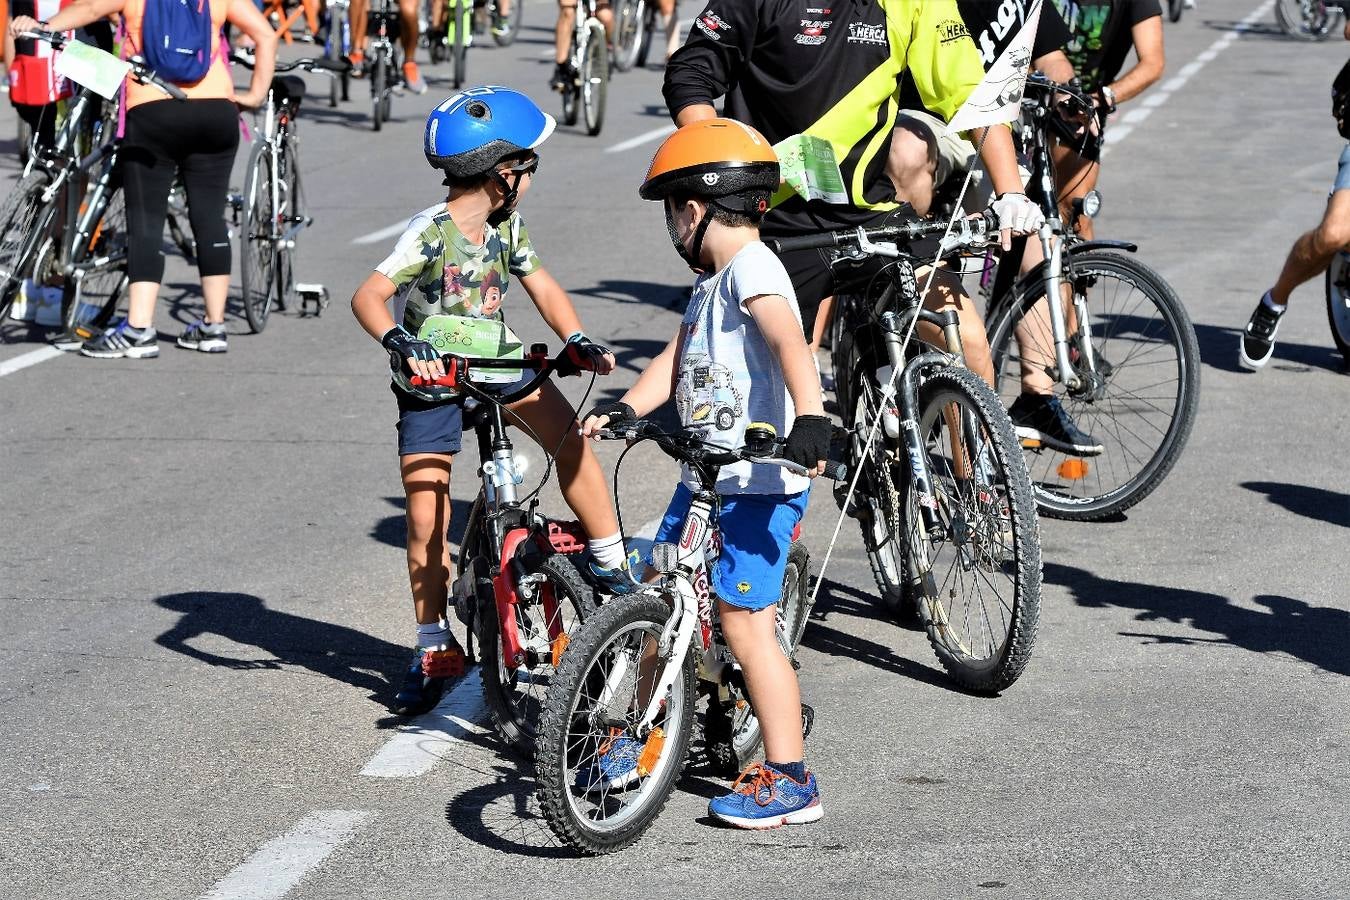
<point x="1054" y="257"/>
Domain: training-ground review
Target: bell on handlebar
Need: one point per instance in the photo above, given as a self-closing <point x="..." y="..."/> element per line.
<point x="759" y="438"/>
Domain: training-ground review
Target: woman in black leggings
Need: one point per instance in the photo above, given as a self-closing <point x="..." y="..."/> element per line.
<point x="198" y="137"/>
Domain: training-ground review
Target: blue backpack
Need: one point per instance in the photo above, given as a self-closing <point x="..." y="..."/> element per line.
<point x="176" y="39"/>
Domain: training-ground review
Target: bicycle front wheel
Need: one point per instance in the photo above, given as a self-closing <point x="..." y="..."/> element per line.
<point x="24" y="222"/>
<point x="1138" y="398"/>
<point x="594" y="78"/>
<point x="1306" y="20"/>
<point x="461" y="16"/>
<point x="876" y="501"/>
<point x="379" y="87"/>
<point x="980" y="568"/>
<point x="629" y="20"/>
<point x="1174" y="8"/>
<point x="602" y="783"/>
<point x="102" y="267"/>
<point x="513" y="20"/>
<point x="257" y="244"/>
<point x="1338" y="303"/>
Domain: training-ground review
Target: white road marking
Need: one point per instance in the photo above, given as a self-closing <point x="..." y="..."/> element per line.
<point x="31" y="358"/>
<point x="645" y="138"/>
<point x="1130" y="120"/>
<point x="383" y="234"/>
<point x="427" y="738"/>
<point x="278" y="865"/>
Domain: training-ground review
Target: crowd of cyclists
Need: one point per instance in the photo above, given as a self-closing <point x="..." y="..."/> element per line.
<point x="877" y="82"/>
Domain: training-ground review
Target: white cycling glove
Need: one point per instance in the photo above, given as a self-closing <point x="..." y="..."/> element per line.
<point x="1017" y="212"/>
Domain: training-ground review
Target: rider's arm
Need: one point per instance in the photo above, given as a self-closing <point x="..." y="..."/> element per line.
<point x="370" y="305"/>
<point x="1148" y="45"/>
<point x="76" y="15"/>
<point x="557" y="309"/>
<point x="1055" y="66"/>
<point x="709" y="63"/>
<point x="246" y="17"/>
<point x="654" y="387"/>
<point x="783" y="333"/>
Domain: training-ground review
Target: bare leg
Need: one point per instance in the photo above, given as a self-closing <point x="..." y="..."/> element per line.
<point x="426" y="485"/>
<point x="358" y="12"/>
<point x="1312" y="252"/>
<point x="912" y="163"/>
<point x="408" y="32"/>
<point x="769" y="678"/>
<point x="215" y="291"/>
<point x="562" y="33"/>
<point x="141" y="296"/>
<point x="946" y="293"/>
<point x="824" y="313"/>
<point x="1075" y="177"/>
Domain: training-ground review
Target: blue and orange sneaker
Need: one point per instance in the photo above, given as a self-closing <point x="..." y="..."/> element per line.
<point x="764" y="797"/>
<point x="616" y="767"/>
<point x="620" y="580"/>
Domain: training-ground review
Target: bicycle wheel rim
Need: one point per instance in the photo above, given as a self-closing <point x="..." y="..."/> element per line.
<point x="1141" y="410"/>
<point x="882" y="527"/>
<point x="594" y="79"/>
<point x="104" y="264"/>
<point x="257" y="250"/>
<point x="24" y="219"/>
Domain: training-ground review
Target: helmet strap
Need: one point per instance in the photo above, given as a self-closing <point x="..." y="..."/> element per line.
<point x="511" y="190"/>
<point x="691" y="255"/>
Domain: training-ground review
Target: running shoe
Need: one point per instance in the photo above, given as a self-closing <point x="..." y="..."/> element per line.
<point x="412" y="78"/>
<point x="207" y="338"/>
<point x="1258" y="339"/>
<point x="122" y="341"/>
<point x="764" y="797"/>
<point x="358" y="60"/>
<point x="616" y="767"/>
<point x="501" y="26"/>
<point x="420" y="692"/>
<point x="563" y="76"/>
<point x="1041" y="418"/>
<point x="620" y="580"/>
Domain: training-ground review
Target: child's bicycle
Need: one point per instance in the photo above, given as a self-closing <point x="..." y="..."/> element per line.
<point x="588" y="63"/>
<point x="517" y="589"/>
<point x="632" y="671"/>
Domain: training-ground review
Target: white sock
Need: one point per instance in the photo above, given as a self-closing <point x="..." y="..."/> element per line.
<point x="433" y="635"/>
<point x="608" y="551"/>
<point x="1270" y="303"/>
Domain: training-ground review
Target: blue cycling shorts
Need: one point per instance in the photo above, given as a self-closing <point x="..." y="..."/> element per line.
<point x="756" y="533"/>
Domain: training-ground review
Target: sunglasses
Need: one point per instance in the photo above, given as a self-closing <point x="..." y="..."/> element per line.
<point x="527" y="167"/>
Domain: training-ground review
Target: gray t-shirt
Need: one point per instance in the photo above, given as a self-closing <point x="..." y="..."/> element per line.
<point x="727" y="376"/>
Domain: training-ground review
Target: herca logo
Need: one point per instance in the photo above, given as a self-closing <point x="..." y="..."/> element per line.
<point x="865" y="33"/>
<point x="952" y="30"/>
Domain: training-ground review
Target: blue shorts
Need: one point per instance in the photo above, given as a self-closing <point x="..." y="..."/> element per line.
<point x="1343" y="172"/>
<point x="756" y="533"/>
<point x="427" y="427"/>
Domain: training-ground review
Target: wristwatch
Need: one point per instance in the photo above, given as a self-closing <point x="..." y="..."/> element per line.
<point x="1108" y="97"/>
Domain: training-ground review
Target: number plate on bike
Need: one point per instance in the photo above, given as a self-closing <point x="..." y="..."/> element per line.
<point x="474" y="337"/>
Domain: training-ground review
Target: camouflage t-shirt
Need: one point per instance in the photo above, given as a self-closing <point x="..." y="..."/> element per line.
<point x="436" y="270"/>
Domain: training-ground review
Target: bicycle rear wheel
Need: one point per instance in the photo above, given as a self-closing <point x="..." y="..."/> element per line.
<point x="24" y="223"/>
<point x="594" y="78"/>
<point x="980" y="570"/>
<point x="650" y="15"/>
<point x="1174" y="8"/>
<point x="1338" y="303"/>
<point x="257" y="245"/>
<point x="102" y="267"/>
<point x="1306" y="20"/>
<point x="1141" y="401"/>
<point x="379" y="87"/>
<point x="460" y="23"/>
<point x="291" y="214"/>
<point x="514" y="18"/>
<point x="629" y="20"/>
<point x="590" y="714"/>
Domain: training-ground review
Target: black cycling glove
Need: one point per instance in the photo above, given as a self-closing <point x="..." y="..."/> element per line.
<point x="809" y="442"/>
<point x="402" y="344"/>
<point x="585" y="353"/>
<point x="618" y="412"/>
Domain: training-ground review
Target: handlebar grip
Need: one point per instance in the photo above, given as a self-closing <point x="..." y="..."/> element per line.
<point x="172" y="90"/>
<point x="331" y="65"/>
<point x="836" y="471"/>
<point x="802" y="242"/>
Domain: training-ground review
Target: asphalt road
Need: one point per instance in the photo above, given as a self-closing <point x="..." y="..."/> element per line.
<point x="204" y="600"/>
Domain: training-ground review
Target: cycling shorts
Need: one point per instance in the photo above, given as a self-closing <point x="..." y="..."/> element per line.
<point x="756" y="532"/>
<point x="428" y="426"/>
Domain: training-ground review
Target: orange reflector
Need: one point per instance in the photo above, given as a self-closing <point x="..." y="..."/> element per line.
<point x="651" y="752"/>
<point x="1073" y="469"/>
<point x="559" y="645"/>
<point x="1031" y="443"/>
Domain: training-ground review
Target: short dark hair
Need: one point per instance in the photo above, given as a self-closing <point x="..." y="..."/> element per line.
<point x="720" y="214"/>
<point x="464" y="182"/>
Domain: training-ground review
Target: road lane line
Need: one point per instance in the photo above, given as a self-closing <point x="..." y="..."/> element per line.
<point x="31" y="358"/>
<point x="419" y="744"/>
<point x="1130" y="120"/>
<point x="277" y="866"/>
<point x="645" y="138"/>
<point x="382" y="235"/>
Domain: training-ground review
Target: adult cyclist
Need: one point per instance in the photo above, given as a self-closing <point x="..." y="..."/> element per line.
<point x="408" y="34"/>
<point x="1313" y="251"/>
<point x="563" y="73"/>
<point x="790" y="67"/>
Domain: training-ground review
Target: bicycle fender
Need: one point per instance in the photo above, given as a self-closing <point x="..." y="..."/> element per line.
<point x="504" y="590"/>
<point x="1033" y="278"/>
<point x="1103" y="244"/>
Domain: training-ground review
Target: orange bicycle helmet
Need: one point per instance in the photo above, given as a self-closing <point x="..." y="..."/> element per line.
<point x="715" y="158"/>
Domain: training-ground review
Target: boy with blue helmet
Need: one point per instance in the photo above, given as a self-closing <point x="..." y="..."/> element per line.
<point x="458" y="258"/>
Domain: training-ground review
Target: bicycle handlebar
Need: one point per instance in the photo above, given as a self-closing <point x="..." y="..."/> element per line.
<point x="139" y="70"/>
<point x="688" y="446"/>
<point x="1038" y="83"/>
<point x="318" y="64"/>
<point x="457" y="370"/>
<point x="966" y="232"/>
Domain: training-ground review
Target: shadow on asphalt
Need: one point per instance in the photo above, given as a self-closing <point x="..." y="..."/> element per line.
<point x="1315" y="503"/>
<point x="1219" y="350"/>
<point x="288" y="641"/>
<point x="504" y="815"/>
<point x="393" y="530"/>
<point x="623" y="290"/>
<point x="1265" y="30"/>
<point x="1315" y="634"/>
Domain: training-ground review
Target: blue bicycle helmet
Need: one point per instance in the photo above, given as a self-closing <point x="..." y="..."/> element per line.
<point x="475" y="129"/>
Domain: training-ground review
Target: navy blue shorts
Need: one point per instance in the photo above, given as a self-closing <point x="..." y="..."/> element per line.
<point x="427" y="427"/>
<point x="756" y="534"/>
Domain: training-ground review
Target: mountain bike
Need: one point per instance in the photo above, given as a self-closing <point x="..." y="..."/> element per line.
<point x="940" y="490"/>
<point x="1308" y="20"/>
<point x="588" y="65"/>
<point x="518" y="586"/>
<point x="45" y="226"/>
<point x="633" y="670"/>
<point x="1338" y="303"/>
<point x="271" y="212"/>
<point x="337" y="46"/>
<point x="383" y="60"/>
<point x="636" y="25"/>
<point x="1119" y="346"/>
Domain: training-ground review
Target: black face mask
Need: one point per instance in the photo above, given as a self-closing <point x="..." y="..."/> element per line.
<point x="691" y="257"/>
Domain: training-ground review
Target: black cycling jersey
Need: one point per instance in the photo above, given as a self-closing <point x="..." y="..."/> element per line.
<point x="1101" y="35"/>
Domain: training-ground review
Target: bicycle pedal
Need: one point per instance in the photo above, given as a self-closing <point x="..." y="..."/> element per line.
<point x="443" y="663"/>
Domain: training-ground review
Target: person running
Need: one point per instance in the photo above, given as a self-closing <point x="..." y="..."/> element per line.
<point x="563" y="72"/>
<point x="1313" y="251"/>
<point x="409" y="30"/>
<point x="1104" y="34"/>
<point x="788" y="67"/>
<point x="197" y="136"/>
<point x="714" y="178"/>
<point x="457" y="258"/>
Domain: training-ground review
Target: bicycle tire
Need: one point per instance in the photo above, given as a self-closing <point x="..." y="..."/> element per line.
<point x="984" y="538"/>
<point x="291" y="213"/>
<point x="24" y="223"/>
<point x="732" y="734"/>
<point x="595" y="78"/>
<point x="571" y="103"/>
<point x="1080" y="490"/>
<point x="257" y="250"/>
<point x="461" y="12"/>
<point x="100" y="288"/>
<point x="514" y="702"/>
<point x="629" y="19"/>
<point x="636" y="615"/>
<point x="514" y="20"/>
<point x="880" y="513"/>
<point x="332" y="51"/>
<point x="379" y="86"/>
<point x="1308" y="20"/>
<point x="1174" y="9"/>
<point x="1338" y="303"/>
<point x="645" y="43"/>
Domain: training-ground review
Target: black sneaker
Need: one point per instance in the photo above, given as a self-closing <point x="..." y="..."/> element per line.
<point x="563" y="76"/>
<point x="1040" y="418"/>
<point x="419" y="693"/>
<point x="205" y="337"/>
<point x="1258" y="340"/>
<point x="122" y="341"/>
